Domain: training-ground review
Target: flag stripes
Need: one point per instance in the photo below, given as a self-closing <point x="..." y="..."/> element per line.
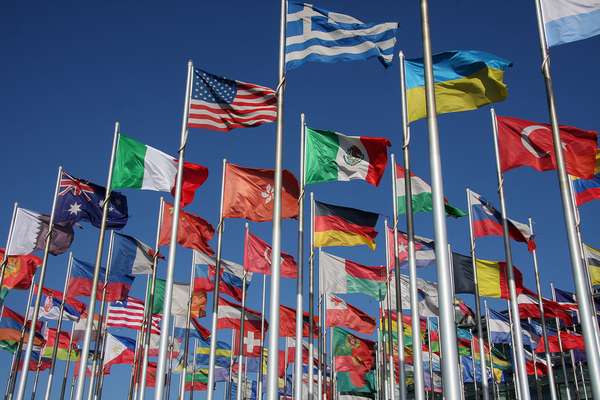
<point x="130" y="314"/>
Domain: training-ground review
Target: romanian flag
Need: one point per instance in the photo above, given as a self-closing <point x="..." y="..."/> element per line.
<point x="343" y="226"/>
<point x="11" y="325"/>
<point x="492" y="278"/>
<point x="588" y="189"/>
<point x="464" y="80"/>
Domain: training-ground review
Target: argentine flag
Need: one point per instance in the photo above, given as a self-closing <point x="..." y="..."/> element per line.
<point x="568" y="21"/>
<point x="315" y="34"/>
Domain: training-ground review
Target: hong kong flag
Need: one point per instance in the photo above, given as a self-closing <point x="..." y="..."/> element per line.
<point x="525" y="143"/>
<point x="257" y="258"/>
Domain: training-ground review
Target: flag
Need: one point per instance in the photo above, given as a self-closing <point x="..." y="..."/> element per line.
<point x="343" y="226"/>
<point x="424" y="250"/>
<point x="30" y="230"/>
<point x="82" y="275"/>
<point x="232" y="275"/>
<point x="36" y="361"/>
<point x="130" y="314"/>
<point x="316" y="34"/>
<point x="341" y="276"/>
<point x="252" y="344"/>
<point x="526" y="143"/>
<point x="487" y="221"/>
<point x="586" y="190"/>
<point x="19" y="270"/>
<point x="65" y="348"/>
<point x="229" y="316"/>
<point x="194" y="330"/>
<point x="500" y="332"/>
<point x="80" y="326"/>
<point x="222" y="355"/>
<point x="11" y="325"/>
<point x="491" y="275"/>
<point x="193" y="231"/>
<point x="340" y="313"/>
<point x="592" y="258"/>
<point x="131" y="256"/>
<point x="529" y="308"/>
<point x="50" y="307"/>
<point x="180" y="297"/>
<point x="287" y="323"/>
<point x="568" y="21"/>
<point x="79" y="200"/>
<point x="354" y="362"/>
<point x="464" y="80"/>
<point x="249" y="192"/>
<point x="332" y="156"/>
<point x="568" y="300"/>
<point x="139" y="166"/>
<point x="568" y="340"/>
<point x="421" y="195"/>
<point x="197" y="379"/>
<point x="257" y="258"/>
<point x="117" y="350"/>
<point x="222" y="104"/>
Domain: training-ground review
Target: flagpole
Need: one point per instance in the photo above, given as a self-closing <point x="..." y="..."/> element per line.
<point x="186" y="340"/>
<point x="585" y="394"/>
<point x="410" y="232"/>
<point x="139" y="347"/>
<point x="538" y="388"/>
<point x="447" y="326"/>
<point x="516" y="325"/>
<point x="242" y="323"/>
<point x="146" y="327"/>
<point x="484" y="383"/>
<point x="5" y="258"/>
<point x="551" y="381"/>
<point x="588" y="323"/>
<point x="193" y="369"/>
<point x="320" y="342"/>
<point x="229" y="378"/>
<point x="431" y="380"/>
<point x="489" y="339"/>
<point x="213" y="336"/>
<point x="36" y="305"/>
<point x="58" y="327"/>
<point x="64" y="382"/>
<point x="311" y="297"/>
<point x="560" y="347"/>
<point x="474" y="366"/>
<point x="516" y="377"/>
<point x="389" y="329"/>
<point x="300" y="278"/>
<point x="259" y="384"/>
<point x="36" y="379"/>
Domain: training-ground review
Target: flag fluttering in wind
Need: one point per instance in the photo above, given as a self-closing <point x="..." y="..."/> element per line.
<point x="421" y="195"/>
<point x="222" y="104"/>
<point x="332" y="156"/>
<point x="340" y="313"/>
<point x="586" y="190"/>
<point x="354" y="361"/>
<point x="252" y="344"/>
<point x="180" y="297"/>
<point x="343" y="226"/>
<point x="249" y="193"/>
<point x="30" y="230"/>
<point x="130" y="314"/>
<point x="131" y="256"/>
<point x="526" y="143"/>
<point x="464" y="80"/>
<point x="592" y="258"/>
<point x="118" y="350"/>
<point x="316" y="34"/>
<point x="139" y="166"/>
<point x="340" y="275"/>
<point x="424" y="250"/>
<point x="257" y="258"/>
<point x="500" y="332"/>
<point x="64" y="351"/>
<point x="529" y="307"/>
<point x="491" y="275"/>
<point x="19" y="270"/>
<point x="568" y="21"/>
<point x="232" y="276"/>
<point x="11" y="325"/>
<point x="230" y="314"/>
<point x="193" y="231"/>
<point x="287" y="323"/>
<point x="196" y="380"/>
<point x="81" y="282"/>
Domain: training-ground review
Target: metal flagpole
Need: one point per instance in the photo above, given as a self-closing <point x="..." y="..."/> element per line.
<point x="474" y="367"/>
<point x="535" y="373"/>
<point x="215" y="312"/>
<point x="560" y="347"/>
<point x="149" y="303"/>
<point x="164" y="334"/>
<point x="588" y="323"/>
<point x="66" y="375"/>
<point x="300" y="279"/>
<point x="551" y="381"/>
<point x="431" y="381"/>
<point x="169" y="372"/>
<point x="574" y="369"/>
<point x="139" y="346"/>
<point x="229" y="378"/>
<point x="240" y="385"/>
<point x="272" y="373"/>
<point x="387" y="338"/>
<point x="193" y="369"/>
<point x="186" y="340"/>
<point x="311" y="297"/>
<point x="447" y="328"/>
<point x="36" y="305"/>
<point x="516" y="377"/>
<point x="10" y="231"/>
<point x="410" y="233"/>
<point x="134" y="368"/>
<point x="100" y="371"/>
<point x="518" y="339"/>
<point x="585" y="394"/>
<point x="58" y="327"/>
<point x="382" y="354"/>
<point x="484" y="383"/>
<point x="36" y="379"/>
<point x="380" y="361"/>
<point x="259" y="384"/>
<point x="489" y="339"/>
<point x="87" y="338"/>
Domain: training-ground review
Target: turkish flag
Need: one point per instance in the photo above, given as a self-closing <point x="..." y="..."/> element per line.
<point x="257" y="258"/>
<point x="287" y="323"/>
<point x="249" y="194"/>
<point x="526" y="143"/>
<point x="193" y="232"/>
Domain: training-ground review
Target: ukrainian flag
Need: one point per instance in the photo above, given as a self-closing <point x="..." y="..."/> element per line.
<point x="464" y="80"/>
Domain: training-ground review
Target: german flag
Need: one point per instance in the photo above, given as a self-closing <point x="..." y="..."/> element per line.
<point x="343" y="226"/>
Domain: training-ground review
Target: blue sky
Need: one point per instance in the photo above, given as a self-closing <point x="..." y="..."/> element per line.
<point x="72" y="69"/>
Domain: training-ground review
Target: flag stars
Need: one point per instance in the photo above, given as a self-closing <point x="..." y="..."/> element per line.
<point x="75" y="208"/>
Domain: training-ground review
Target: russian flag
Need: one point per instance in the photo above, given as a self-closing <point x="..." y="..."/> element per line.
<point x="118" y="350"/>
<point x="131" y="256"/>
<point x="82" y="274"/>
<point x="232" y="275"/>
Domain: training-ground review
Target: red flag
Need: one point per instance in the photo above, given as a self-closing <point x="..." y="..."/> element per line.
<point x="194" y="175"/>
<point x="529" y="308"/>
<point x="249" y="193"/>
<point x="252" y="345"/>
<point x="287" y="323"/>
<point x="230" y="314"/>
<point x="193" y="232"/>
<point x="19" y="270"/>
<point x="340" y="313"/>
<point x="569" y="340"/>
<point x="257" y="258"/>
<point x="525" y="143"/>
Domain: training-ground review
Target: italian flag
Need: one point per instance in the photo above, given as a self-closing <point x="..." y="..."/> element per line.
<point x="138" y="166"/>
<point x="421" y="195"/>
<point x="345" y="276"/>
<point x="332" y="156"/>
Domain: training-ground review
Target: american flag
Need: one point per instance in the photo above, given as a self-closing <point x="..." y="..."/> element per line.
<point x="130" y="314"/>
<point x="223" y="104"/>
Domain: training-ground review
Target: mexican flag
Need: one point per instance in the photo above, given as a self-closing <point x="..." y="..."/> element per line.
<point x="344" y="276"/>
<point x="139" y="166"/>
<point x="332" y="156"/>
<point x="421" y="195"/>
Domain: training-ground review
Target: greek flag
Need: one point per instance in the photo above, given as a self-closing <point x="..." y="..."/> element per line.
<point x="314" y="34"/>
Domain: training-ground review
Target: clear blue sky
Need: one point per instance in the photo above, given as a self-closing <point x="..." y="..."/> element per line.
<point x="71" y="69"/>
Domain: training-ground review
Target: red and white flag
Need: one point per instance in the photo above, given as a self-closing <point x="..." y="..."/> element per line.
<point x="529" y="307"/>
<point x="230" y="314"/>
<point x="252" y="343"/>
<point x="257" y="258"/>
<point x="130" y="314"/>
<point x="287" y="323"/>
<point x="340" y="313"/>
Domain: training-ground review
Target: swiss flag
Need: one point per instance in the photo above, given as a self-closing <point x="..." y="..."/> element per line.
<point x="252" y="343"/>
<point x="525" y="143"/>
<point x="257" y="258"/>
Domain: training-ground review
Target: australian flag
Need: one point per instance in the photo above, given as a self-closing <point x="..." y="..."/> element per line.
<point x="79" y="199"/>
